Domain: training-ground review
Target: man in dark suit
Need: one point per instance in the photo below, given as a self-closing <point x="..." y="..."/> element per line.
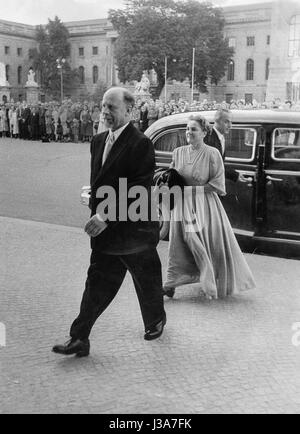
<point x="216" y="139"/>
<point x="120" y="244"/>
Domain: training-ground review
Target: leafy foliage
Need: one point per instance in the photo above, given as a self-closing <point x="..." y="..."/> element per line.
<point x="53" y="44"/>
<point x="150" y="30"/>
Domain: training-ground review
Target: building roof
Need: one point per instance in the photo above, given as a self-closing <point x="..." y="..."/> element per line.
<point x="103" y="21"/>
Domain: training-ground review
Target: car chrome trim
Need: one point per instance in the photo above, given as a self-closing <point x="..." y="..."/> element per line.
<point x="283" y="172"/>
<point x="289" y="146"/>
<point x="246" y="172"/>
<point x="243" y="232"/>
<point x="277" y="240"/>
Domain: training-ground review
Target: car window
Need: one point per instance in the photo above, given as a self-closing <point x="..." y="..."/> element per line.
<point x="286" y="144"/>
<point x="170" y="140"/>
<point x="240" y="143"/>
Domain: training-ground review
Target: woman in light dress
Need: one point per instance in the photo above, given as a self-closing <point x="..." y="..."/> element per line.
<point x="203" y="248"/>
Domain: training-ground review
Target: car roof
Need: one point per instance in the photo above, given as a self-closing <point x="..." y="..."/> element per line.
<point x="238" y="116"/>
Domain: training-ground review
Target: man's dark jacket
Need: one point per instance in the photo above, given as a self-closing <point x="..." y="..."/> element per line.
<point x="213" y="140"/>
<point x="131" y="157"/>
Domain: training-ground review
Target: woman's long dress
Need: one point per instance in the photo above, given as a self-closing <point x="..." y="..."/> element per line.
<point x="203" y="247"/>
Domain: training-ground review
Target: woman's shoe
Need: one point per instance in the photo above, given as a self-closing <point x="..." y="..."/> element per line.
<point x="169" y="292"/>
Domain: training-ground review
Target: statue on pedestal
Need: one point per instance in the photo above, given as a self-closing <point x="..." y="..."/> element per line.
<point x="142" y="88"/>
<point x="30" y="79"/>
<point x="144" y="85"/>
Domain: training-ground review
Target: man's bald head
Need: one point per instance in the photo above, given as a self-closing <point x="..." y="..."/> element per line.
<point x="117" y="106"/>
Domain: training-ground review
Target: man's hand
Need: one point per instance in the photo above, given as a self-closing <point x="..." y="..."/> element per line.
<point x="95" y="226"/>
<point x="242" y="178"/>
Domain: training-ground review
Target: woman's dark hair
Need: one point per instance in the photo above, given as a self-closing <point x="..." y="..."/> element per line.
<point x="204" y="125"/>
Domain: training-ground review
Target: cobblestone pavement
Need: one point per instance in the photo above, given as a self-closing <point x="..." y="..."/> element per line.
<point x="231" y="356"/>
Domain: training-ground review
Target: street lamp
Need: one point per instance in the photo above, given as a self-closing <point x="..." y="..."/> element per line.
<point x="193" y="76"/>
<point x="60" y="63"/>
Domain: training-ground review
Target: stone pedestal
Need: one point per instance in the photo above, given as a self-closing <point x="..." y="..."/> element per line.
<point x="32" y="94"/>
<point x="143" y="96"/>
<point x="4" y="94"/>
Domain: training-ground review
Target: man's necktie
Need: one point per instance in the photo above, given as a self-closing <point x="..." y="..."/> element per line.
<point x="108" y="145"/>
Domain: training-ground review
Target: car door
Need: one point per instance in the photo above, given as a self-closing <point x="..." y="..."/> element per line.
<point x="282" y="171"/>
<point x="241" y="156"/>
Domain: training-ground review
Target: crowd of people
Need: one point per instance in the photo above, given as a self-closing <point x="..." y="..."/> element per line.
<point x="74" y="122"/>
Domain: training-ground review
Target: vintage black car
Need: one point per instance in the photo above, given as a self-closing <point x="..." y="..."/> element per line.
<point x="264" y="145"/>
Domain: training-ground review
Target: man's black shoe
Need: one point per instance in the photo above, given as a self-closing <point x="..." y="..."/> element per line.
<point x="75" y="346"/>
<point x="155" y="331"/>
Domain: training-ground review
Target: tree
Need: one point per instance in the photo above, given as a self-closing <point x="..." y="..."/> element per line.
<point x="53" y="44"/>
<point x="150" y="30"/>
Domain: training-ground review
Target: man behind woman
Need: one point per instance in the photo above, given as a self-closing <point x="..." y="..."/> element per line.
<point x="203" y="248"/>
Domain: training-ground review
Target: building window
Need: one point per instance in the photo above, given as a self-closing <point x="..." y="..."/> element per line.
<point x="81" y="51"/>
<point x="250" y="70"/>
<point x="6" y="50"/>
<point x="230" y="71"/>
<point x="267" y="68"/>
<point x="250" y="41"/>
<point x="294" y="37"/>
<point x="232" y="42"/>
<point x="19" y="74"/>
<point x="229" y="97"/>
<point x="81" y="75"/>
<point x="95" y="51"/>
<point x="95" y="74"/>
<point x="7" y="70"/>
<point x="248" y="98"/>
<point x="268" y="40"/>
<point x="19" y="51"/>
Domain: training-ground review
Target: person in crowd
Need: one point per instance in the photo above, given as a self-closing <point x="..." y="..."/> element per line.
<point x="55" y="119"/>
<point x="144" y="117"/>
<point x="152" y="113"/>
<point x="59" y="131"/>
<point x="75" y="130"/>
<point x="96" y="119"/>
<point x="136" y="116"/>
<point x="85" y="120"/>
<point x="203" y="248"/>
<point x="2" y="121"/>
<point x="10" y="114"/>
<point x="25" y="121"/>
<point x="14" y="123"/>
<point x="63" y="114"/>
<point x="102" y="127"/>
<point x="34" y="124"/>
<point x="119" y="246"/>
<point x="42" y="121"/>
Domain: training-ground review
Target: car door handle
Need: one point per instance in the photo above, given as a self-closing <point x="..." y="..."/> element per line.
<point x="270" y="178"/>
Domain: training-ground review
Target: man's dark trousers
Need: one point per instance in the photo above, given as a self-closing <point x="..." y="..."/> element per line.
<point x="102" y="286"/>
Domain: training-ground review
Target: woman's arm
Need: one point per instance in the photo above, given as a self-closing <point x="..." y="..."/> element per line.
<point x="216" y="183"/>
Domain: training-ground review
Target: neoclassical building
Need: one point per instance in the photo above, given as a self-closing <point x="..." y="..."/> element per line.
<point x="265" y="37"/>
<point x="266" y="63"/>
<point x="92" y="52"/>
